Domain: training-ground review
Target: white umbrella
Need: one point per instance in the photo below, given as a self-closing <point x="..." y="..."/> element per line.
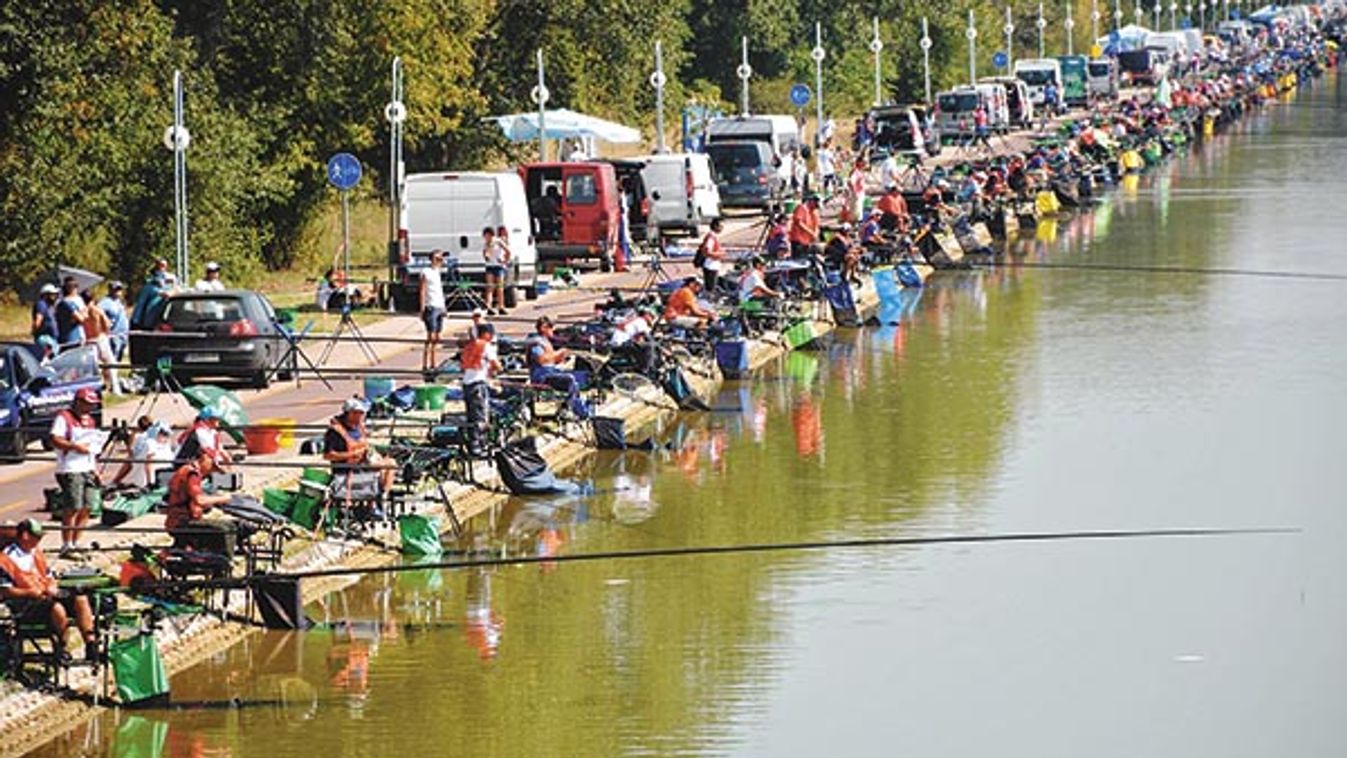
<point x="565" y="124"/>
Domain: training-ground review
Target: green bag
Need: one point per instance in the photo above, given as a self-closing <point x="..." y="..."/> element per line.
<point x="306" y="510"/>
<point x="420" y="535"/>
<point x="280" y="502"/>
<point x="138" y="669"/>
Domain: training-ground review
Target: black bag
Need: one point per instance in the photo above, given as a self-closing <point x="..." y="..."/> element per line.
<point x="699" y="258"/>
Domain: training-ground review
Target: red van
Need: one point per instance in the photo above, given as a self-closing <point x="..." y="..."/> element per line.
<point x="575" y="210"/>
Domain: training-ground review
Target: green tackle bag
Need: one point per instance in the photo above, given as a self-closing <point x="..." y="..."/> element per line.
<point x="420" y="535"/>
<point x="138" y="669"/>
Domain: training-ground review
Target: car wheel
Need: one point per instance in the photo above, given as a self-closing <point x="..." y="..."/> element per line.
<point x="511" y="296"/>
<point x="14" y="447"/>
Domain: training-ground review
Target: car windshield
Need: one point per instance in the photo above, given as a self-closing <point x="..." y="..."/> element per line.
<point x="966" y="101"/>
<point x="196" y="310"/>
<point x="74" y="365"/>
<point x="735" y="163"/>
<point x="1036" y="77"/>
<point x="1099" y="69"/>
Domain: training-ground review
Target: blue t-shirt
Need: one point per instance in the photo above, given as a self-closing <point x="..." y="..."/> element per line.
<point x="48" y="313"/>
<point x="116" y="313"/>
<point x="70" y="331"/>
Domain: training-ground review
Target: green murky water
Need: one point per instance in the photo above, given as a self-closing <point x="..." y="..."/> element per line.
<point x="1010" y="401"/>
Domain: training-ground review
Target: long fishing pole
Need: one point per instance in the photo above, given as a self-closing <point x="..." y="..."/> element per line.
<point x="1157" y="269"/>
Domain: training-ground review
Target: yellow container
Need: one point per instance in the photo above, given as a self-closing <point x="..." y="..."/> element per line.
<point x="286" y="426"/>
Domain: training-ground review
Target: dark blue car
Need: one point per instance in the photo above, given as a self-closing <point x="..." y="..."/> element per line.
<point x="31" y="394"/>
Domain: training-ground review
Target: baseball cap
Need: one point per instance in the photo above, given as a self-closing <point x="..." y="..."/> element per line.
<point x="212" y="266"/>
<point x="208" y="414"/>
<point x="355" y="404"/>
<point x="30" y="525"/>
<point x="49" y="289"/>
<point x="88" y="395"/>
<point x="115" y="285"/>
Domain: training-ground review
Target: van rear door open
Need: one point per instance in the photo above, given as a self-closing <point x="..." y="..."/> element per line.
<point x="581" y="210"/>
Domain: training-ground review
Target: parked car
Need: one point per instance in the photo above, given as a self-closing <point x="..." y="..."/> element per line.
<point x="447" y="211"/>
<point x="234" y="334"/>
<point x="576" y="210"/>
<point x="1103" y="79"/>
<point x="31" y="394"/>
<point x="954" y="111"/>
<point x="781" y="134"/>
<point x="902" y="129"/>
<point x="745" y="174"/>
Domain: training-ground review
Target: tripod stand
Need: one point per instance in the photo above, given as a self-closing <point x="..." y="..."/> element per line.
<point x="346" y="324"/>
<point x="657" y="273"/>
<point x="914" y="176"/>
<point x="158" y="380"/>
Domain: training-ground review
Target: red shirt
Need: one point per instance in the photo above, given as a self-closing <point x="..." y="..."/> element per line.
<point x="804" y="223"/>
<point x="683" y="302"/>
<point x="892" y="204"/>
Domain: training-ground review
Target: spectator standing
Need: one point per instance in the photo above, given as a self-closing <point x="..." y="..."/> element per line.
<point x="71" y="314"/>
<point x="74" y="437"/>
<point x="712" y="254"/>
<point x="212" y="281"/>
<point x="496" y="251"/>
<point x="432" y="309"/>
<point x="479" y="362"/>
<point x="46" y="333"/>
<point x="157" y="286"/>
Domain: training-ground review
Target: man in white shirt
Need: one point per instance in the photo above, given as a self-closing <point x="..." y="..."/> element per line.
<point x="753" y="284"/>
<point x="212" y="282"/>
<point x="890" y="173"/>
<point x="75" y="437"/>
<point x="828" y="167"/>
<point x="633" y="338"/>
<point x="28" y="587"/>
<point x="713" y="256"/>
<point x="432" y="309"/>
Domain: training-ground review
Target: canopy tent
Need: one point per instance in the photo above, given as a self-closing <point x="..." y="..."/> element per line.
<point x="565" y="124"/>
<point x="1130" y="37"/>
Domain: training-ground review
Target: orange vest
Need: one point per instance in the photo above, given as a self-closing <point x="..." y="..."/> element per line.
<point x="181" y="506"/>
<point x="474" y="354"/>
<point x="37" y="579"/>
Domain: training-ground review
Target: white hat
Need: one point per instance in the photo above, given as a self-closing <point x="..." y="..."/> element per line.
<point x="49" y="289"/>
<point x="478" y="312"/>
<point x="355" y="404"/>
<point x="212" y="266"/>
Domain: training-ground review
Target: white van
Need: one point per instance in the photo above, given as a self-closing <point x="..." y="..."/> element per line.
<point x="1036" y="73"/>
<point x="1101" y="80"/>
<point x="997" y="103"/>
<point x="448" y="211"/>
<point x="779" y="132"/>
<point x="682" y="191"/>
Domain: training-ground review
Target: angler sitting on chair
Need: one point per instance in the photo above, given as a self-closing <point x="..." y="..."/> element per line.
<point x="29" y="589"/>
<point x="544" y="361"/>
<point x="346" y="446"/>
<point x="188" y="503"/>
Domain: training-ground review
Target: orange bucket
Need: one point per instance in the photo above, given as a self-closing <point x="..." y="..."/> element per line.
<point x="261" y="440"/>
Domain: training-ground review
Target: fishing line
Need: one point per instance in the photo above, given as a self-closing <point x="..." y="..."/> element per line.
<point x="1148" y="269"/>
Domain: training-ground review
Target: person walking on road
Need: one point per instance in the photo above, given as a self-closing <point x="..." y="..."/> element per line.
<point x="74" y="435"/>
<point x="432" y="310"/>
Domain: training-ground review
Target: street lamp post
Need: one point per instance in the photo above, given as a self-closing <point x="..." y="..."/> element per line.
<point x="818" y="54"/>
<point x="658" y="80"/>
<point x="972" y="34"/>
<point x="1117" y="15"/>
<point x="745" y="73"/>
<point x="540" y="96"/>
<point x="1069" y="25"/>
<point x="1173" y="15"/>
<point x="395" y="113"/>
<point x="1042" y="24"/>
<point x="876" y="46"/>
<point x="1009" y="29"/>
<point x="1094" y="21"/>
<point x="176" y="139"/>
<point x="926" y="56"/>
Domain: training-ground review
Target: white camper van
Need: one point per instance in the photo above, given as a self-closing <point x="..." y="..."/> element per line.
<point x="447" y="211"/>
<point x="682" y="191"/>
<point x="1037" y="73"/>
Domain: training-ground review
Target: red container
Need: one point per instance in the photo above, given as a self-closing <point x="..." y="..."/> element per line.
<point x="261" y="440"/>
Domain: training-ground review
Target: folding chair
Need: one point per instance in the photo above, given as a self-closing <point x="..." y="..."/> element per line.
<point x="294" y="353"/>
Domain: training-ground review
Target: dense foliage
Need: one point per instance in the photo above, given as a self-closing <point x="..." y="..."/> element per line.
<point x="275" y="87"/>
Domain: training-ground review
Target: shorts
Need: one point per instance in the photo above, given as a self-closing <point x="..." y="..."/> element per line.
<point x="433" y="318"/>
<point x="78" y="492"/>
<point x="496" y="271"/>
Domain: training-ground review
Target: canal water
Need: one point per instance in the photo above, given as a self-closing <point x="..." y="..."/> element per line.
<point x="1015" y="400"/>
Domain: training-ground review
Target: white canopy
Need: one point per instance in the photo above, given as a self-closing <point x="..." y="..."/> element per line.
<point x="565" y="124"/>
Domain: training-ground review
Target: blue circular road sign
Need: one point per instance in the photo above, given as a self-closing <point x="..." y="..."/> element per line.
<point x="343" y="171"/>
<point x="799" y="95"/>
<point x="1000" y="59"/>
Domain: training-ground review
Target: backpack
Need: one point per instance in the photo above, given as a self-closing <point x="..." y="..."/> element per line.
<point x="699" y="259"/>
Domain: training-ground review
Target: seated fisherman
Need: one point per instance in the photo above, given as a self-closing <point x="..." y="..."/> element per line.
<point x="842" y="253"/>
<point x="203" y="435"/>
<point x="753" y="284"/>
<point x="188" y="503"/>
<point x="544" y="361"/>
<point x="633" y="339"/>
<point x="892" y="208"/>
<point x="684" y="310"/>
<point x="346" y="446"/>
<point x="28" y="587"/>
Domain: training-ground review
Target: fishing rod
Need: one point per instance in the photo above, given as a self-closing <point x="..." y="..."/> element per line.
<point x="1156" y="269"/>
<point x="739" y="549"/>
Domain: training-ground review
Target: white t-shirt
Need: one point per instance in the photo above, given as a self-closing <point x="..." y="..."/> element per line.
<point x="711" y="242"/>
<point x="149" y="448"/>
<point x="209" y="285"/>
<point x="474" y="375"/>
<point x="825" y="162"/>
<point x="633" y="328"/>
<point x="751" y="282"/>
<point x="889" y="172"/>
<point x="70" y="462"/>
<point x="23" y="560"/>
<point x="495" y="252"/>
<point x="430" y="276"/>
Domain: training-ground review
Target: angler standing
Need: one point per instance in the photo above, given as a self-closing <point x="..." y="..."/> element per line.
<point x="75" y="436"/>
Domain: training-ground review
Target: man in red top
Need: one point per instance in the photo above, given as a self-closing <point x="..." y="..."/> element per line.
<point x="188" y="504"/>
<point x="804" y="228"/>
<point x="27" y="585"/>
<point x="683" y="308"/>
<point x="892" y="211"/>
